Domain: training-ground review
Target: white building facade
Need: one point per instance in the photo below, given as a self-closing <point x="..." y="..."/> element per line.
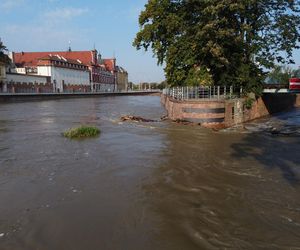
<point x="66" y="75"/>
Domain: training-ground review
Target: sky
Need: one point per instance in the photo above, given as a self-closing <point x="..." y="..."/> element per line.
<point x="108" y="25"/>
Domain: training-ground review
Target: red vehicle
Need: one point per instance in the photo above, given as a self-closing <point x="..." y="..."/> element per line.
<point x="294" y="83"/>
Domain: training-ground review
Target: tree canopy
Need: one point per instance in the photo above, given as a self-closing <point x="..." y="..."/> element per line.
<point x="219" y="41"/>
<point x="281" y="75"/>
<point x="3" y="57"/>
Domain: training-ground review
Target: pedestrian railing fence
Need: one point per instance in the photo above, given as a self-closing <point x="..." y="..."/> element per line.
<point x="204" y="92"/>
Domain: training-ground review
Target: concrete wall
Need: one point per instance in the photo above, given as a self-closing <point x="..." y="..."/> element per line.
<point x="20" y="83"/>
<point x="268" y="104"/>
<point x="2" y="71"/>
<point x="21" y="78"/>
<point x="226" y="113"/>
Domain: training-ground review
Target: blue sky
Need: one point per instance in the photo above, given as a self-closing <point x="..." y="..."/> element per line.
<point x="48" y="25"/>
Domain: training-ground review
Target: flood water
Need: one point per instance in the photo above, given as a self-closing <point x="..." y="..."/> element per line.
<point x="144" y="185"/>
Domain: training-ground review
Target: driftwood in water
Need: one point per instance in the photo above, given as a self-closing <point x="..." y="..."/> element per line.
<point x="135" y="118"/>
<point x="185" y="122"/>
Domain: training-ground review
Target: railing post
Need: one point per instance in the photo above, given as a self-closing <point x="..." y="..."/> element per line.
<point x="225" y="92"/>
<point x="218" y="92"/>
<point x="241" y="91"/>
<point x="187" y="93"/>
<point x="209" y="92"/>
<point x="231" y="92"/>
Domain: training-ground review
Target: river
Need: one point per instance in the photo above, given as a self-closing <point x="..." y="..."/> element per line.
<point x="149" y="186"/>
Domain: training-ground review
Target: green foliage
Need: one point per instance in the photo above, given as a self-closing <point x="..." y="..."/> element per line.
<point x="82" y="132"/>
<point x="249" y="102"/>
<point x="230" y="41"/>
<point x="281" y="75"/>
<point x="198" y="76"/>
<point x="3" y="57"/>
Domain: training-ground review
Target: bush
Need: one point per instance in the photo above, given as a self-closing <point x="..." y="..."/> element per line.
<point x="82" y="132"/>
<point x="249" y="102"/>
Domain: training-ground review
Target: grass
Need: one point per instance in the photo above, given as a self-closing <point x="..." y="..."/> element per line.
<point x="82" y="132"/>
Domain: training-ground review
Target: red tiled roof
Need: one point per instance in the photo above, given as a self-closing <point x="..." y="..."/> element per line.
<point x="109" y="64"/>
<point x="32" y="58"/>
<point x="59" y="58"/>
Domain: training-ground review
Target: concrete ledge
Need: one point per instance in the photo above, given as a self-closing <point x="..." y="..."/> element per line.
<point x="20" y="97"/>
<point x="203" y="110"/>
<point x="205" y="120"/>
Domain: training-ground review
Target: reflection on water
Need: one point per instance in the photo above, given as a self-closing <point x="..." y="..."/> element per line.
<point x="143" y="186"/>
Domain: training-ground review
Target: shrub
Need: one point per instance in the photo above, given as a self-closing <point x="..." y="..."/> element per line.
<point x="82" y="132"/>
<point x="249" y="102"/>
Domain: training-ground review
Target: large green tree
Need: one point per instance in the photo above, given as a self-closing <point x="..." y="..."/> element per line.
<point x="219" y="41"/>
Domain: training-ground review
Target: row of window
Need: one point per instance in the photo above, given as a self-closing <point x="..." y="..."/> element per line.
<point x="103" y="79"/>
<point x="69" y="65"/>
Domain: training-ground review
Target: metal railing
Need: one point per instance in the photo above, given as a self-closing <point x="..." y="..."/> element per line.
<point x="203" y="92"/>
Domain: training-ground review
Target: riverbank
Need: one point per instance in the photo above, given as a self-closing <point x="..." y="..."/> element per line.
<point x="17" y="97"/>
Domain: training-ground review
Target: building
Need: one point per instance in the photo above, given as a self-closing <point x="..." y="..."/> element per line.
<point x="120" y="74"/>
<point x="100" y="79"/>
<point x="2" y="75"/>
<point x="104" y="74"/>
<point x="67" y="75"/>
<point x="122" y="79"/>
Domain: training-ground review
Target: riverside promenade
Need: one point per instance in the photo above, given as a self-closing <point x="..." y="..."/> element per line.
<point x="14" y="97"/>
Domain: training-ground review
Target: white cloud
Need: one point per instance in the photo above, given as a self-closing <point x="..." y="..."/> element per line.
<point x="10" y="4"/>
<point x="65" y="13"/>
<point x="41" y="38"/>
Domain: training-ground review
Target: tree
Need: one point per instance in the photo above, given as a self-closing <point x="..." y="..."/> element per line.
<point x="219" y="41"/>
<point x="3" y="57"/>
<point x="281" y="75"/>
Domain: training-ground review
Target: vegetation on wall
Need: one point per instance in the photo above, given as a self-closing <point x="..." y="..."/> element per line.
<point x="221" y="42"/>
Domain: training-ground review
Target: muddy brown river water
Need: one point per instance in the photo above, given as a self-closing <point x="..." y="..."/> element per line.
<point x="144" y="185"/>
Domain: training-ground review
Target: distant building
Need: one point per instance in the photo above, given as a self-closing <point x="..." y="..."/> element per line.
<point x="122" y="79"/>
<point x="100" y="79"/>
<point x="120" y="74"/>
<point x="2" y="75"/>
<point x="67" y="75"/>
<point x="104" y="74"/>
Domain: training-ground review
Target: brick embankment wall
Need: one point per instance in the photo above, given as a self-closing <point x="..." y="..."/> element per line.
<point x="76" y="88"/>
<point x="29" y="88"/>
<point x="226" y="113"/>
<point x="209" y="113"/>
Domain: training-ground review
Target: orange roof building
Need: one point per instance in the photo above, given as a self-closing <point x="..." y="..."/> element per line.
<point x="102" y="72"/>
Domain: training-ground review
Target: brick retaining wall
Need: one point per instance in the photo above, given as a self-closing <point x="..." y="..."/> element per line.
<point x="226" y="113"/>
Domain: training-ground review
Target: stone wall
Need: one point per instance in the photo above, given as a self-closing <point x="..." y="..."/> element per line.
<point x="268" y="104"/>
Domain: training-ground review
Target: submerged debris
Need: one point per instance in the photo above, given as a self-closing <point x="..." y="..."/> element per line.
<point x="185" y="122"/>
<point x="136" y="119"/>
